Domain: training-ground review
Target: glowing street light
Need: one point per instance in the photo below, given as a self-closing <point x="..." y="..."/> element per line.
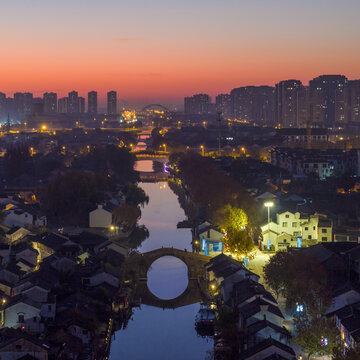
<point x="202" y="150"/>
<point x="164" y="146"/>
<point x="268" y="204"/>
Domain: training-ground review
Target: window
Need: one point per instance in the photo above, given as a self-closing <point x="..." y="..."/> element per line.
<point x="314" y="228"/>
<point x="86" y="281"/>
<point x="284" y="224"/>
<point x="309" y="237"/>
<point x="21" y="318"/>
<point x="294" y="224"/>
<point x="324" y="231"/>
<point x="49" y="307"/>
<point x="324" y="238"/>
<point x="287" y="216"/>
<point x="34" y="319"/>
<point x="18" y="347"/>
<point x="306" y="229"/>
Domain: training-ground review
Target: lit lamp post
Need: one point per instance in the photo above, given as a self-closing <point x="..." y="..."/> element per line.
<point x="202" y="150"/>
<point x="164" y="145"/>
<point x="269" y="204"/>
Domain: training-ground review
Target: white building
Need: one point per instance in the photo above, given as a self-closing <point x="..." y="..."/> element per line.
<point x="295" y="230"/>
<point x="101" y="217"/>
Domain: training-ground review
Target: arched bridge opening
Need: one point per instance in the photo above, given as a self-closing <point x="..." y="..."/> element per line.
<point x="196" y="290"/>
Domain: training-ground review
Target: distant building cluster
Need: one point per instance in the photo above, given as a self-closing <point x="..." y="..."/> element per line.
<point x="328" y="100"/>
<point x="23" y="105"/>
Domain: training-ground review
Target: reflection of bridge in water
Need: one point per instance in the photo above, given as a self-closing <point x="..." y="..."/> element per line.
<point x="196" y="290"/>
<point x="149" y="176"/>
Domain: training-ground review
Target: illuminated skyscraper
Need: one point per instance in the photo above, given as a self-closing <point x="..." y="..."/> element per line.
<point x="288" y="106"/>
<point x="327" y="102"/>
<point x="92" y="102"/>
<point x="111" y="103"/>
<point x="199" y="104"/>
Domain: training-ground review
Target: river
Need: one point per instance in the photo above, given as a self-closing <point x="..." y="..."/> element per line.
<point x="155" y="333"/>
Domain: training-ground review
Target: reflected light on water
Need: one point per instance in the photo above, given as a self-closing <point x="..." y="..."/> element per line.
<point x="168" y="277"/>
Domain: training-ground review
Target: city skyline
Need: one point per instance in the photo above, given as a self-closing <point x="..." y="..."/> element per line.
<point x="172" y="52"/>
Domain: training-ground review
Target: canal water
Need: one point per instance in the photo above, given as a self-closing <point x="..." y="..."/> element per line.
<point x="154" y="333"/>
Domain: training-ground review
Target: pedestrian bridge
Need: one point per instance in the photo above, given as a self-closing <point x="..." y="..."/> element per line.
<point x="138" y="266"/>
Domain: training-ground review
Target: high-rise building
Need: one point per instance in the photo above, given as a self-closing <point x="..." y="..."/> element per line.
<point x="63" y="105"/>
<point x="19" y="106"/>
<point x="353" y="101"/>
<point x="199" y="104"/>
<point x="3" y="109"/>
<point x="288" y="108"/>
<point x="28" y="104"/>
<point x="50" y="103"/>
<point x="73" y="102"/>
<point x="92" y="102"/>
<point x="327" y="101"/>
<point x="111" y="103"/>
<point x="223" y="104"/>
<point x="81" y="104"/>
<point x="254" y="104"/>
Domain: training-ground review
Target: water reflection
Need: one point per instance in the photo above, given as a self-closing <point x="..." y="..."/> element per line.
<point x="154" y="333"/>
<point x="144" y="165"/>
<point x="157" y="334"/>
<point x="168" y="277"/>
<point x="161" y="216"/>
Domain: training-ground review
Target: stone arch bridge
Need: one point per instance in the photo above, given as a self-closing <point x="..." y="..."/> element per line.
<point x="196" y="290"/>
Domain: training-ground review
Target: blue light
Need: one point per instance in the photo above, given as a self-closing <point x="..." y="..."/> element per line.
<point x="299" y="240"/>
<point x="299" y="308"/>
<point x="268" y="244"/>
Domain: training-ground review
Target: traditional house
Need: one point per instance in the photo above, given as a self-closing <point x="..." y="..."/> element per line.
<point x="16" y="345"/>
<point x="210" y="239"/>
<point x="295" y="230"/>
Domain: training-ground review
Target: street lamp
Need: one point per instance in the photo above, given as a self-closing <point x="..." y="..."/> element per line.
<point x="164" y="145"/>
<point x="202" y="150"/>
<point x="269" y="204"/>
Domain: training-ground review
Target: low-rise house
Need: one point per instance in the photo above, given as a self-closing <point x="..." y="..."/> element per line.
<point x="48" y="243"/>
<point x="17" y="310"/>
<point x="17" y="344"/>
<point x="22" y="215"/>
<point x="102" y="217"/>
<point x="347" y="320"/>
<point x="16" y="233"/>
<point x="269" y="349"/>
<point x="24" y="251"/>
<point x="295" y="230"/>
<point x="224" y="269"/>
<point x="259" y="309"/>
<point x="90" y="242"/>
<point x="100" y="276"/>
<point x="210" y="238"/>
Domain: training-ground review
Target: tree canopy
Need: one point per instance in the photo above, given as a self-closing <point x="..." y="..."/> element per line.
<point x="300" y="279"/>
<point x="317" y="337"/>
<point x="69" y="198"/>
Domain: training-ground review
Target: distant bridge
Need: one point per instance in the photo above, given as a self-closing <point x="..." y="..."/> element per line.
<point x="196" y="290"/>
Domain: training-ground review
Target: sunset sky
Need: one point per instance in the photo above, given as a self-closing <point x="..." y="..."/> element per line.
<point x="157" y="50"/>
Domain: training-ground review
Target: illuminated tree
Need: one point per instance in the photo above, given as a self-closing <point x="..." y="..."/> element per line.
<point x="231" y="218"/>
<point x="238" y="243"/>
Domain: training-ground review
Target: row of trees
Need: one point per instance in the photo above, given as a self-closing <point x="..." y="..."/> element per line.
<point x="225" y="201"/>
